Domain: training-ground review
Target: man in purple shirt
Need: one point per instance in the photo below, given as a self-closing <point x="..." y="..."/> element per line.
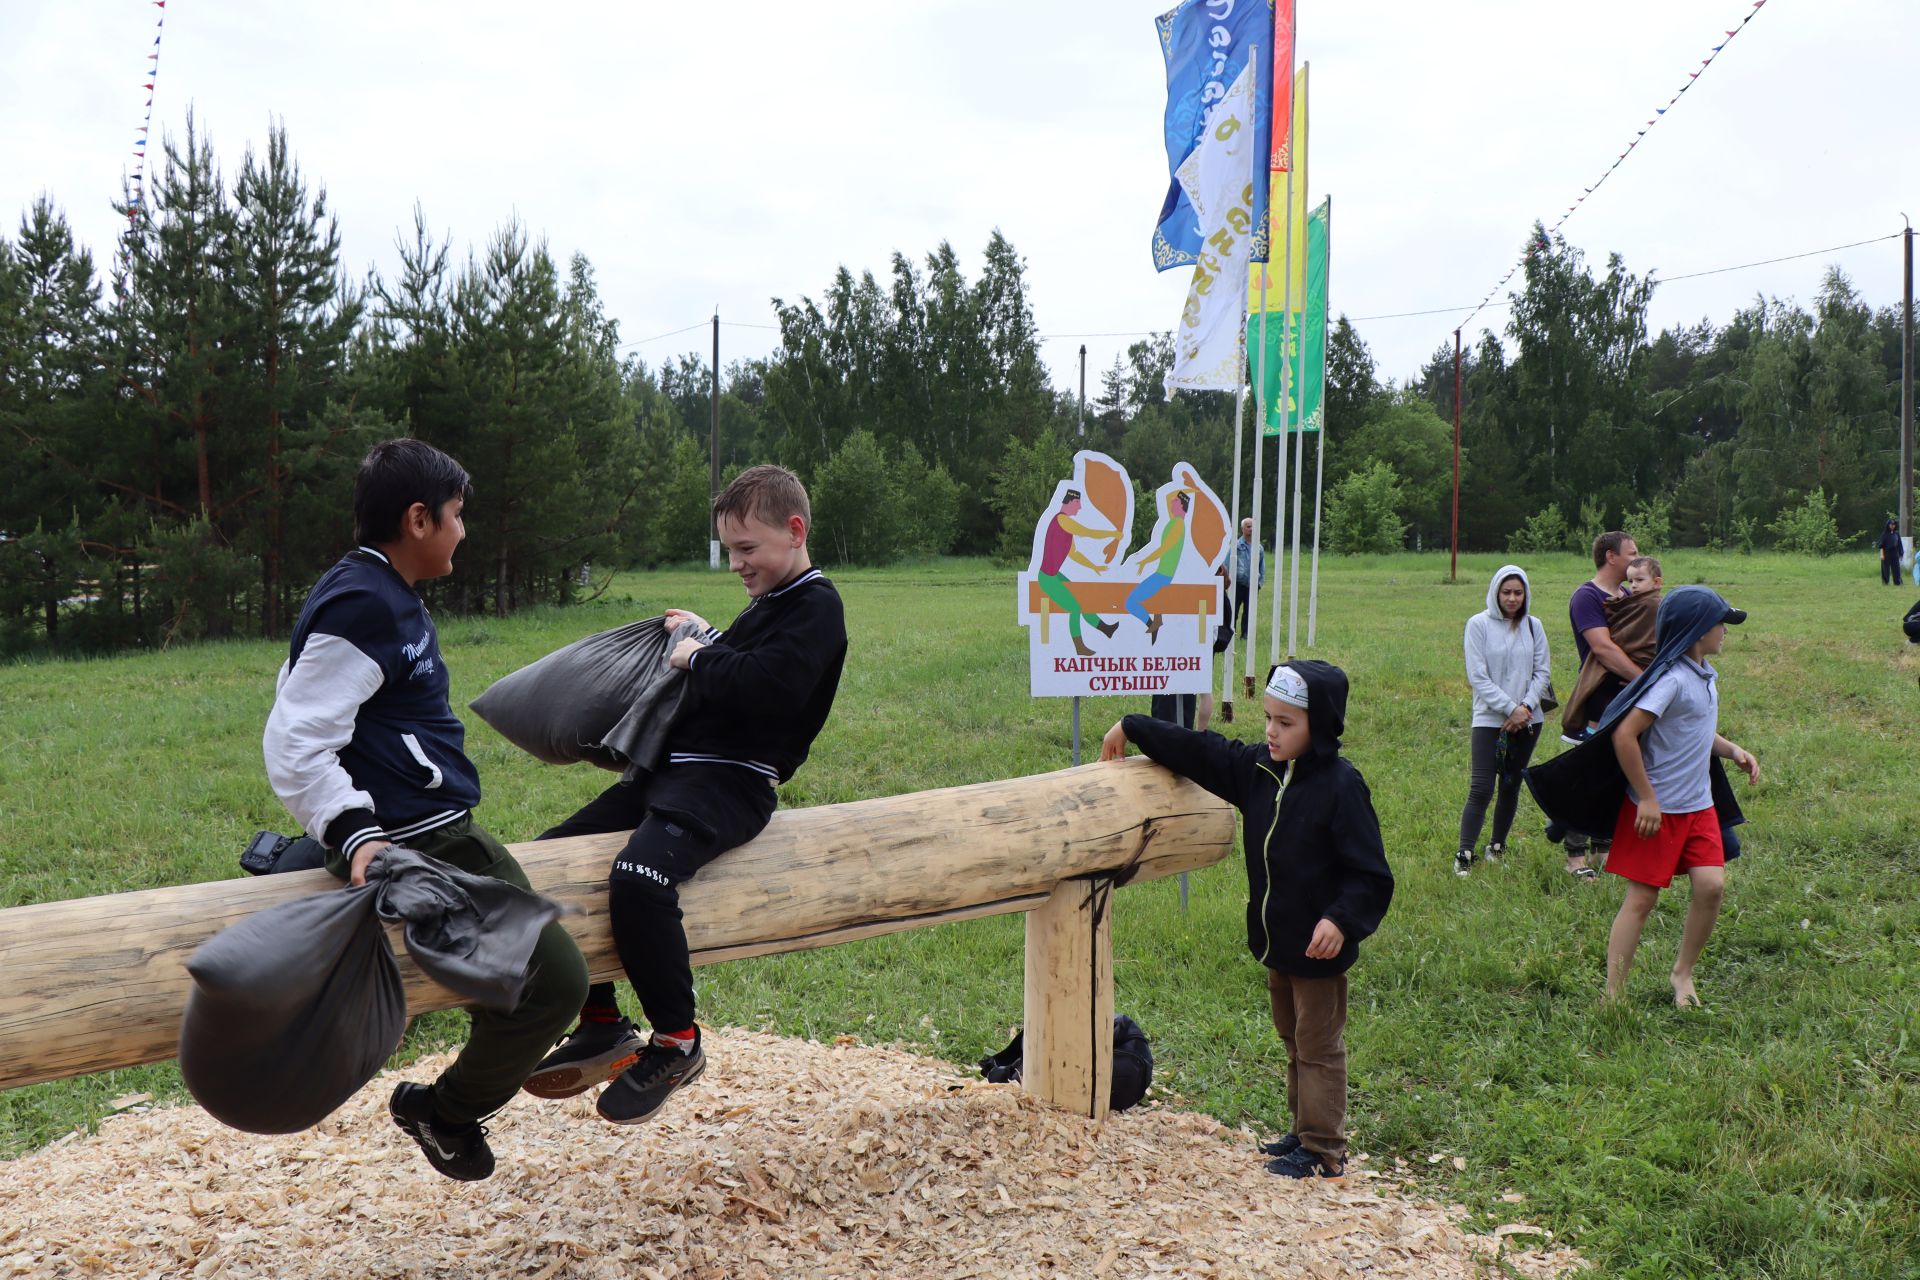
<point x="1587" y="611"/>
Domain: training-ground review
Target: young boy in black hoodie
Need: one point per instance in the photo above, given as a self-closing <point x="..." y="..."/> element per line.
<point x="757" y="694"/>
<point x="1317" y="882"/>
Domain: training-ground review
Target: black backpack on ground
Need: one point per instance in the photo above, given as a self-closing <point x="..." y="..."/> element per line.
<point x="1132" y="1063"/>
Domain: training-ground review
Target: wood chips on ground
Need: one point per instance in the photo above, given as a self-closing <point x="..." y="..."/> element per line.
<point x="787" y="1158"/>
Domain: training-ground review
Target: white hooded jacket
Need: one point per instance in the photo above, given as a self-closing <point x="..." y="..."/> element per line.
<point x="1506" y="664"/>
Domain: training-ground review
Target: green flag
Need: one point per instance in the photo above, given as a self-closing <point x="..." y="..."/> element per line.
<point x="1309" y="335"/>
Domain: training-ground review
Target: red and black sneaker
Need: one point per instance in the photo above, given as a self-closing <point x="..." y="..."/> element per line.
<point x="643" y="1087"/>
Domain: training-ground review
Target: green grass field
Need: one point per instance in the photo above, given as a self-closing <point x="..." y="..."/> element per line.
<point x="1775" y="1133"/>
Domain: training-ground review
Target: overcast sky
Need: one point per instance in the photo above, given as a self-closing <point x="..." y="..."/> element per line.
<point x="707" y="155"/>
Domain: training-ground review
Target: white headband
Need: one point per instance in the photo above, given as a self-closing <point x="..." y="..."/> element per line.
<point x="1286" y="685"/>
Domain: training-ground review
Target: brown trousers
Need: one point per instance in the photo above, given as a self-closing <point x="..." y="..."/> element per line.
<point x="1311" y="1016"/>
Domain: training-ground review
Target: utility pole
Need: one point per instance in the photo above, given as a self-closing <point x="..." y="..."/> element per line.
<point x="1083" y="384"/>
<point x="1906" y="391"/>
<point x="713" y="446"/>
<point x="1453" y="570"/>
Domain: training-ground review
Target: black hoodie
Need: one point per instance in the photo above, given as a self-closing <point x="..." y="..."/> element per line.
<point x="1311" y="837"/>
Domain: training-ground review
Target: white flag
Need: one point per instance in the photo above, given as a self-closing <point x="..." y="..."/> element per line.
<point x="1218" y="180"/>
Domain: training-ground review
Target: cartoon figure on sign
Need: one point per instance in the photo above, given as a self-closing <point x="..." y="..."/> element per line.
<point x="1078" y="569"/>
<point x="1180" y="524"/>
<point x="1055" y="553"/>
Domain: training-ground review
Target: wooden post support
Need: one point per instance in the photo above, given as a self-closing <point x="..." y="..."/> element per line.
<point x="1067" y="1053"/>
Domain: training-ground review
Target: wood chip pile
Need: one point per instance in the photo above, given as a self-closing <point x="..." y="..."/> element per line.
<point x="786" y="1159"/>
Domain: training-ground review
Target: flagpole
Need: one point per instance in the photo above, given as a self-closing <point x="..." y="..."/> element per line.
<point x="1286" y="353"/>
<point x="1260" y="169"/>
<point x="1286" y="375"/>
<point x="1320" y="464"/>
<point x="1300" y="443"/>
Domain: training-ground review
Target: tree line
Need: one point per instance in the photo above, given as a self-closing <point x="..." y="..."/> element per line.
<point x="184" y="421"/>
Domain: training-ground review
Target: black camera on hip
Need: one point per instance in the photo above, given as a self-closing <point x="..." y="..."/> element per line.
<point x="269" y="852"/>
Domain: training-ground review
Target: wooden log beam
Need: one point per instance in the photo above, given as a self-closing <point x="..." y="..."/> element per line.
<point x="94" y="984"/>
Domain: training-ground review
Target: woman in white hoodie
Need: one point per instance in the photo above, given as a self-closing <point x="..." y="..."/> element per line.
<point x="1508" y="669"/>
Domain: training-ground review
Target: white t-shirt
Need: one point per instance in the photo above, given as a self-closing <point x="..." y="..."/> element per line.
<point x="1685" y="702"/>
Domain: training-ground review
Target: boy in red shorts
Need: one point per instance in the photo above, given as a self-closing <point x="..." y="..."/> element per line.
<point x="1667" y="823"/>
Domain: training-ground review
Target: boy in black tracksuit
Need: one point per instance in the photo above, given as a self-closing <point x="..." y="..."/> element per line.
<point x="756" y="696"/>
<point x="1317" y="882"/>
<point x="364" y="749"/>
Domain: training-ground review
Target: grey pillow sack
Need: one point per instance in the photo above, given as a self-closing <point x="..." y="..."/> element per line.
<point x="607" y="699"/>
<point x="296" y="1007"/>
<point x="292" y="1010"/>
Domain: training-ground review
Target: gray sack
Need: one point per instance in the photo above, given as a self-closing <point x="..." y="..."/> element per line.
<point x="296" y="1007"/>
<point x="607" y="700"/>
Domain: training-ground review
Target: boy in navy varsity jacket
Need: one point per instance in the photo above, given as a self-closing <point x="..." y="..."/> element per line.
<point x="1317" y="882"/>
<point x="756" y="696"/>
<point x="365" y="751"/>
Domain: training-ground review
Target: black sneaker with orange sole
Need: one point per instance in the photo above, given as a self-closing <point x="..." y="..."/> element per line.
<point x="592" y="1054"/>
<point x="644" y="1087"/>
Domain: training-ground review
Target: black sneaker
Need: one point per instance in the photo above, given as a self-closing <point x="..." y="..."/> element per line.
<point x="1463" y="862"/>
<point x="648" y="1083"/>
<point x="1285" y="1146"/>
<point x="458" y="1150"/>
<point x="1495" y="851"/>
<point x="1303" y="1163"/>
<point x="594" y="1053"/>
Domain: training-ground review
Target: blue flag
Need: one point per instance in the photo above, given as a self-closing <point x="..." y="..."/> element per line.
<point x="1206" y="44"/>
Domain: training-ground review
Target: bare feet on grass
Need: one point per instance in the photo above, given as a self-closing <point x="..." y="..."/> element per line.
<point x="1684" y="996"/>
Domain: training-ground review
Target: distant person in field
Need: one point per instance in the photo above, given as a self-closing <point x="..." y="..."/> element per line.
<point x="1890" y="553"/>
<point x="757" y="694"/>
<point x="1316" y="872"/>
<point x="1249" y="567"/>
<point x="1508" y="671"/>
<point x="1630" y="625"/>
<point x="1055" y="550"/>
<point x="1222" y="637"/>
<point x="363" y="748"/>
<point x="1587" y="610"/>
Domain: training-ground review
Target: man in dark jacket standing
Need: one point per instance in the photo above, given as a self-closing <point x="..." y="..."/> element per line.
<point x="1890" y="553"/>
<point x="1317" y="882"/>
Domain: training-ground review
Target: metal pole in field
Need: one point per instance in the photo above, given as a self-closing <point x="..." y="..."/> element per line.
<point x="713" y="446"/>
<point x="1083" y="388"/>
<point x="1453" y="569"/>
<point x="1083" y="432"/>
<point x="1906" y="391"/>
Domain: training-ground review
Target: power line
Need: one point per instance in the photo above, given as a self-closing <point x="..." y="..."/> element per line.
<point x="1658" y="279"/>
<point x="1437" y="311"/>
<point x="628" y="346"/>
<point x="1812" y="253"/>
